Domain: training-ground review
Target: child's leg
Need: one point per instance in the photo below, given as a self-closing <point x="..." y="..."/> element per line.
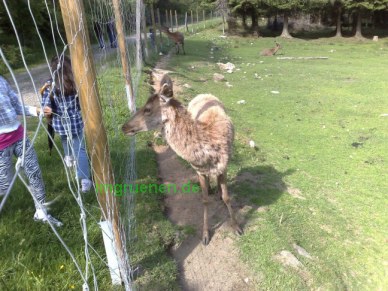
<point x="67" y="149"/>
<point x="65" y="145"/>
<point x="83" y="171"/>
<point x="31" y="169"/>
<point x="5" y="169"/>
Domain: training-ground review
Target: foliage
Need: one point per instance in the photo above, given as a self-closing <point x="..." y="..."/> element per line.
<point x="21" y="12"/>
<point x="286" y="6"/>
<point x="372" y="5"/>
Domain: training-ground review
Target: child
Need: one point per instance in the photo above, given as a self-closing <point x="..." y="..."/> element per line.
<point x="11" y="143"/>
<point x="60" y="101"/>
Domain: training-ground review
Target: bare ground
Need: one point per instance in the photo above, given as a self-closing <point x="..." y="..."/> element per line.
<point x="217" y="265"/>
<point x="30" y="82"/>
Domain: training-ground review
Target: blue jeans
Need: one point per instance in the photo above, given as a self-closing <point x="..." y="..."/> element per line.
<point x="75" y="146"/>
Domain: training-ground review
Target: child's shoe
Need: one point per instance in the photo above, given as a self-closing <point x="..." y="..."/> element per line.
<point x="69" y="161"/>
<point x="42" y="215"/>
<point x="86" y="184"/>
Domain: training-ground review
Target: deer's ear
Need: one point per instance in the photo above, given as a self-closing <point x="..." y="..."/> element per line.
<point x="164" y="99"/>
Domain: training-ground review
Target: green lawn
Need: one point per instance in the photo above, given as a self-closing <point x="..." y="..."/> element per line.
<point x="321" y="137"/>
<point x="32" y="258"/>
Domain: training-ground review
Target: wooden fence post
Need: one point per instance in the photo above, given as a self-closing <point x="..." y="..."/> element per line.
<point x="176" y="21"/>
<point x="123" y="55"/>
<point x="154" y="27"/>
<point x="197" y="19"/>
<point x="187" y="28"/>
<point x="168" y="25"/>
<point x="77" y="35"/>
<point x="138" y="35"/>
<point x="192" y="21"/>
<point x="145" y="35"/>
<point x="160" y="24"/>
<point x="171" y="21"/>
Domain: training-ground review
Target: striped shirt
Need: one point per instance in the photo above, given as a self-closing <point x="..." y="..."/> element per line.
<point x="11" y="107"/>
<point x="67" y="119"/>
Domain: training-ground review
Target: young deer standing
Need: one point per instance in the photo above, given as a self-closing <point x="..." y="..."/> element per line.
<point x="177" y="37"/>
<point x="202" y="135"/>
<point x="272" y="51"/>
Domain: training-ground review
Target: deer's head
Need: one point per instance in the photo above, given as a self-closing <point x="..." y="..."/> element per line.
<point x="165" y="29"/>
<point x="153" y="114"/>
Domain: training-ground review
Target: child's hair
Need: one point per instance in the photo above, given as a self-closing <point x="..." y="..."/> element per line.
<point x="63" y="75"/>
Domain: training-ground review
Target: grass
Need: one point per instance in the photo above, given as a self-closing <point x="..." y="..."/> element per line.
<point x="322" y="137"/>
<point x="33" y="258"/>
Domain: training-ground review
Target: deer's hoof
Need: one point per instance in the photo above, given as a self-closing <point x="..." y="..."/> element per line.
<point x="205" y="238"/>
<point x="238" y="230"/>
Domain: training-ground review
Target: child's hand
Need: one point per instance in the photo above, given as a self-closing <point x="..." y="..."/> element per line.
<point x="47" y="111"/>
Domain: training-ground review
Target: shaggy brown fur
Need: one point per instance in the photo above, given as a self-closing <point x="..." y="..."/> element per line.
<point x="177" y="37"/>
<point x="272" y="51"/>
<point x="202" y="135"/>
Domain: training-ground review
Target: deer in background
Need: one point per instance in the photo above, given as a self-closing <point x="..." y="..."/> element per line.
<point x="177" y="37"/>
<point x="202" y="134"/>
<point x="271" y="51"/>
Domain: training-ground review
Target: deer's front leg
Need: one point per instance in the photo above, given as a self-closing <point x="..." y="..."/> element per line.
<point x="204" y="182"/>
<point x="221" y="179"/>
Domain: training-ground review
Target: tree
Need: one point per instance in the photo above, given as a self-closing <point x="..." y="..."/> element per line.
<point x="286" y="8"/>
<point x="246" y="8"/>
<point x="338" y="8"/>
<point x="21" y="16"/>
<point x="360" y="7"/>
<point x="222" y="8"/>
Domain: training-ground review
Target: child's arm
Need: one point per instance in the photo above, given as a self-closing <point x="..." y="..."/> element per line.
<point x="46" y="100"/>
<point x="28" y="110"/>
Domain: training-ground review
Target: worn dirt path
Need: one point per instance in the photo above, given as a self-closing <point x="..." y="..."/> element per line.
<point x="41" y="73"/>
<point x="217" y="265"/>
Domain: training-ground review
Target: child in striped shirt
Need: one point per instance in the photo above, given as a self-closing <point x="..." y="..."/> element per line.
<point x="11" y="143"/>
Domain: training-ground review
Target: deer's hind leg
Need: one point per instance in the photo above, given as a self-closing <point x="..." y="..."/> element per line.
<point x="221" y="180"/>
<point x="177" y="48"/>
<point x="204" y="182"/>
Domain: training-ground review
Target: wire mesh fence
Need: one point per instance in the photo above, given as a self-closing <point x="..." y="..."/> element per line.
<point x="92" y="54"/>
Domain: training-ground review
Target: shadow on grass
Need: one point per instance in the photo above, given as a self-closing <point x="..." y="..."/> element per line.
<point x="255" y="188"/>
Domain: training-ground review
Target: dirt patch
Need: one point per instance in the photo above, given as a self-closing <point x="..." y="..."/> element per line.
<point x="217" y="265"/>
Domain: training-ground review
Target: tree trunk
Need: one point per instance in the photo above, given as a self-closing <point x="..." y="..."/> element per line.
<point x="358" y="25"/>
<point x="285" y="32"/>
<point x="244" y="21"/>
<point x="255" y="24"/>
<point x="339" y="14"/>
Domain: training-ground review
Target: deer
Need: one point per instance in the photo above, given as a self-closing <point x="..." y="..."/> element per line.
<point x="202" y="135"/>
<point x="271" y="51"/>
<point x="177" y="37"/>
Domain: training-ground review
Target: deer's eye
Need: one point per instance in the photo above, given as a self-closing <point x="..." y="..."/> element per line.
<point x="147" y="110"/>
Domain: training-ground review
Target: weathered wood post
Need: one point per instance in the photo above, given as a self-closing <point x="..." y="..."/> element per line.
<point x="171" y="21"/>
<point x="138" y="35"/>
<point x="123" y="55"/>
<point x="85" y="78"/>
<point x="192" y="21"/>
<point x="143" y="24"/>
<point x="187" y="28"/>
<point x="176" y="21"/>
<point x="159" y="24"/>
<point x="154" y="27"/>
